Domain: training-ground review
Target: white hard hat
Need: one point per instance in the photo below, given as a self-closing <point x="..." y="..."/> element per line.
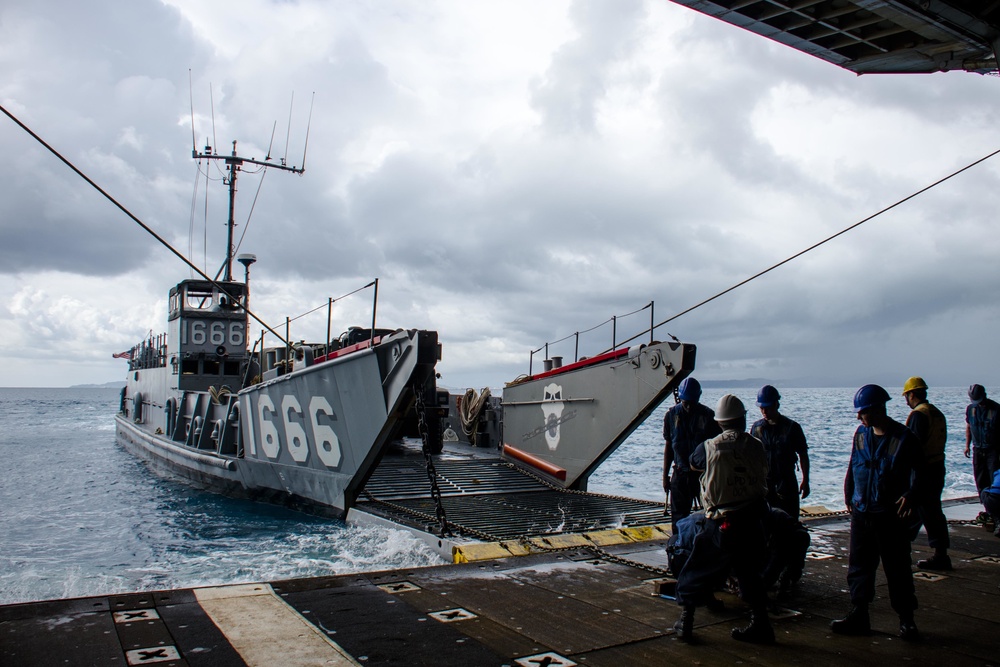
<point x="729" y="407"/>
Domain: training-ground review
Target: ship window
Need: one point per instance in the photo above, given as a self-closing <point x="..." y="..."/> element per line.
<point x="199" y="299"/>
<point x="189" y="367"/>
<point x="211" y="367"/>
<point x="232" y="368"/>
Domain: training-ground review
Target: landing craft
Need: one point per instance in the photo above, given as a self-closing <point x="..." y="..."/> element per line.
<point x="352" y="427"/>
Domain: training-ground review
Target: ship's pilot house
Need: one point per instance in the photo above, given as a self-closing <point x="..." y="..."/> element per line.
<point x="208" y="325"/>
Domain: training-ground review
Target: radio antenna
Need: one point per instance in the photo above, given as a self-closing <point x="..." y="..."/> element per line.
<point x="215" y="141"/>
<point x="194" y="142"/>
<point x="271" y="144"/>
<point x="305" y="146"/>
<point x="288" y="132"/>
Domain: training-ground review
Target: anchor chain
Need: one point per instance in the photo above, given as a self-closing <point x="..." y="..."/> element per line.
<point x="429" y="461"/>
<point x="430" y="518"/>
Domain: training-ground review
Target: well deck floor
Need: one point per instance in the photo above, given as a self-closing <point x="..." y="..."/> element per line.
<point x="562" y="608"/>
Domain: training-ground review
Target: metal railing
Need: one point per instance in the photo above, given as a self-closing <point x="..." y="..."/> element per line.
<point x="615" y="343"/>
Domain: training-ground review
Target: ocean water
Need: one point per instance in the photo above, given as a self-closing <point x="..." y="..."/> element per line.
<point x="828" y="419"/>
<point x="79" y="516"/>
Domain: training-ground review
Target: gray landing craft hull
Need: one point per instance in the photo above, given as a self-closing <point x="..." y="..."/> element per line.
<point x="562" y="424"/>
<point x="309" y="438"/>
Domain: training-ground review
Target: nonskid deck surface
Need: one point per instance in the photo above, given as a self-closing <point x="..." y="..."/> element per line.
<point x="488" y="496"/>
<point x="556" y="609"/>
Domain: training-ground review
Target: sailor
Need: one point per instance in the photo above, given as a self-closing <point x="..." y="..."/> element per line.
<point x="931" y="429"/>
<point x="982" y="432"/>
<point x="685" y="426"/>
<point x="881" y="491"/>
<point x="787" y="544"/>
<point x="990" y="497"/>
<point x="786" y="448"/>
<point x="733" y="490"/>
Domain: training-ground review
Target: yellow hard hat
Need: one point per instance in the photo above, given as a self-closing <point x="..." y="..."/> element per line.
<point x="914" y="383"/>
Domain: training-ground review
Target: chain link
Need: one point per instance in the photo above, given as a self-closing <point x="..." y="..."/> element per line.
<point x="525" y="541"/>
<point x="421" y="408"/>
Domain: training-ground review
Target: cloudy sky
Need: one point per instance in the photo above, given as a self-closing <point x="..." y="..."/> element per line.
<point x="511" y="172"/>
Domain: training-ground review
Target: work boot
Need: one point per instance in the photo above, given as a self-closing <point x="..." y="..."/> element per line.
<point x="857" y="622"/>
<point x="785" y="588"/>
<point x="939" y="561"/>
<point x="908" y="629"/>
<point x="684" y="626"/>
<point x="758" y="632"/>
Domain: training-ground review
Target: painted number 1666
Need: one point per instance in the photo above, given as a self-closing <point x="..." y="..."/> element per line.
<point x="289" y="426"/>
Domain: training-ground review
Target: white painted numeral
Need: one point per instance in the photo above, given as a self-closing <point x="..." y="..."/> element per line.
<point x="269" y="439"/>
<point x="218" y="333"/>
<point x="294" y="433"/>
<point x="198" y="332"/>
<point x="327" y="442"/>
<point x="236" y="334"/>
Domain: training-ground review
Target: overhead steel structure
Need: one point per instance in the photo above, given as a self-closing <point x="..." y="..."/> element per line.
<point x="874" y="36"/>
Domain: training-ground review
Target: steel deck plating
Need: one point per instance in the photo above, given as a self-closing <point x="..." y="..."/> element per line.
<point x="561" y="608"/>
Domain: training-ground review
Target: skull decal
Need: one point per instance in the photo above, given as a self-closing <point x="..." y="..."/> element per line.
<point x="552" y="409"/>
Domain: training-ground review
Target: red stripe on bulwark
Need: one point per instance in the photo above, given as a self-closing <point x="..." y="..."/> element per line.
<point x="607" y="356"/>
<point x="535" y="462"/>
<point x="347" y="350"/>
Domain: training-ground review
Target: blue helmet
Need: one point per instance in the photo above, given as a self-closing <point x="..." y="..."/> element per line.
<point x="690" y="390"/>
<point x="869" y="396"/>
<point x="767" y="396"/>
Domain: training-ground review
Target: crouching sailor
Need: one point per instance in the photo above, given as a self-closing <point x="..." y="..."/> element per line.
<point x="881" y="501"/>
<point x="990" y="497"/>
<point x="733" y="491"/>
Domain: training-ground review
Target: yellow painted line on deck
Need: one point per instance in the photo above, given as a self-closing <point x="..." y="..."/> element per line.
<point x="265" y="630"/>
<point x="468" y="553"/>
<point x="815" y="509"/>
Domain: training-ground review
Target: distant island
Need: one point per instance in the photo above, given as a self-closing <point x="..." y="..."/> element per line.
<point x="115" y="384"/>
<point x="756" y="383"/>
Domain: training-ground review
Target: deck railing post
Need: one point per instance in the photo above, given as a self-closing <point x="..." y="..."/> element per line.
<point x="329" y="320"/>
<point x="651" y="320"/>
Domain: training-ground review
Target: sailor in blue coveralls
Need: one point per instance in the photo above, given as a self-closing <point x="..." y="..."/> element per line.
<point x="982" y="432"/>
<point x="786" y="448"/>
<point x="990" y="498"/>
<point x="685" y="426"/>
<point x="733" y="538"/>
<point x="785" y="444"/>
<point x="881" y="500"/>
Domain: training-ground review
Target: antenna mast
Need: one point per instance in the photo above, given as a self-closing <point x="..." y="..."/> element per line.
<point x="233" y="165"/>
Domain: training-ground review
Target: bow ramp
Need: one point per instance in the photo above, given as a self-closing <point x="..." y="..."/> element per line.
<point x="528" y="493"/>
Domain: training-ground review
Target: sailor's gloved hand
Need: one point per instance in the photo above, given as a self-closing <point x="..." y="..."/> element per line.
<point x="804" y="488"/>
<point x="903" y="507"/>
